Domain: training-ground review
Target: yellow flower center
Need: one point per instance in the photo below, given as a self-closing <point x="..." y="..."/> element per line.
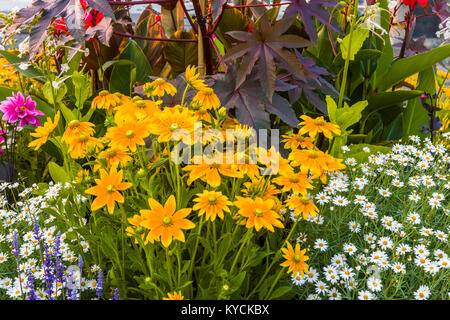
<point x="129" y="134"/>
<point x="103" y="93"/>
<point x="304" y="200"/>
<point x="297" y="258"/>
<point x="83" y="138"/>
<point x="259" y="212"/>
<point x="110" y="188"/>
<point x="174" y="127"/>
<point x="319" y="122"/>
<point x="111" y="153"/>
<point x="74" y="124"/>
<point x="294" y="179"/>
<point x="212" y="200"/>
<point x="159" y="81"/>
<point x="202" y="110"/>
<point x="300" y="138"/>
<point x="23" y="108"/>
<point x="208" y="91"/>
<point x="313" y="154"/>
<point x="141" y="104"/>
<point x="167" y="221"/>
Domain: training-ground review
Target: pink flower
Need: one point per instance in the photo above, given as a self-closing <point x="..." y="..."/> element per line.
<point x="18" y="108"/>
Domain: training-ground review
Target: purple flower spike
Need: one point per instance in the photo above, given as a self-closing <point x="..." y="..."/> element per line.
<point x="17" y="108"/>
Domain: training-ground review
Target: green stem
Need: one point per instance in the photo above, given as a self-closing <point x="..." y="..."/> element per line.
<point x="244" y="242"/>
<point x="347" y="60"/>
<point x="274" y="283"/>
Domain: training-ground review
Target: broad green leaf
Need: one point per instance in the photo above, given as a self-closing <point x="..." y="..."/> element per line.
<point x="181" y="54"/>
<point x="29" y="72"/>
<point x="279" y="292"/>
<point x="332" y="109"/>
<point x="406" y="67"/>
<point x="82" y="85"/>
<point x="348" y="116"/>
<point x="54" y="94"/>
<point x="415" y="114"/>
<point x="121" y="76"/>
<point x="67" y="113"/>
<point x="384" y="44"/>
<point x="349" y="50"/>
<point x="381" y="100"/>
<point x="57" y="173"/>
<point x="357" y="152"/>
<point x="5" y="93"/>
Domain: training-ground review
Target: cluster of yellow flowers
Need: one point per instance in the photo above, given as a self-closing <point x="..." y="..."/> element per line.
<point x="8" y="75"/>
<point x="260" y="204"/>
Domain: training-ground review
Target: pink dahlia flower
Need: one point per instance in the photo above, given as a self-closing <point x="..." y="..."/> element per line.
<point x="18" y="108"/>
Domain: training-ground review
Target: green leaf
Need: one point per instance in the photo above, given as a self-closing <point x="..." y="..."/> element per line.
<point x="331" y="108"/>
<point x="415" y="114"/>
<point x="279" y="292"/>
<point x="348" y="50"/>
<point x="406" y="67"/>
<point x="5" y="93"/>
<point x="356" y="151"/>
<point x="57" y="173"/>
<point x="82" y="85"/>
<point x="384" y="99"/>
<point x="30" y="72"/>
<point x="236" y="282"/>
<point x="121" y="76"/>
<point x="181" y="54"/>
<point x="67" y="113"/>
<point x="384" y="44"/>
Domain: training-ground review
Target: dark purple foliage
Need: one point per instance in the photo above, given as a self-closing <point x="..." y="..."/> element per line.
<point x="48" y="11"/>
<point x="310" y="10"/>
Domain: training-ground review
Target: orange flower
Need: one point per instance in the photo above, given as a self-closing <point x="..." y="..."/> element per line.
<point x="137" y="109"/>
<point x="159" y="87"/>
<point x="297" y="140"/>
<point x="207" y="98"/>
<point x="191" y="78"/>
<point x="75" y="128"/>
<point x="174" y="296"/>
<point x="79" y="146"/>
<point x="115" y="156"/>
<point x="128" y="135"/>
<point x="137" y="230"/>
<point x="314" y="161"/>
<point x="42" y="133"/>
<point x="107" y="190"/>
<point x="260" y="188"/>
<point x="314" y="126"/>
<point x="295" y="259"/>
<point x="259" y="213"/>
<point x="212" y="203"/>
<point x="165" y="222"/>
<point x="210" y="172"/>
<point x="302" y="205"/>
<point x="173" y="124"/>
<point x="273" y="161"/>
<point x="297" y="182"/>
<point x="106" y="100"/>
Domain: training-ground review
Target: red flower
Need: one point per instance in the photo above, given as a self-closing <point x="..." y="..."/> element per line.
<point x="412" y="3"/>
<point x="91" y="19"/>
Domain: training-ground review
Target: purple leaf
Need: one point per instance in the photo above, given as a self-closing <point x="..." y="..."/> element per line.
<point x="261" y="48"/>
<point x="252" y="107"/>
<point x="310" y="10"/>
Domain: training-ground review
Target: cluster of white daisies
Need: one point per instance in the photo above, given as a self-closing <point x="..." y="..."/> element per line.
<point x="17" y="216"/>
<point x="383" y="227"/>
